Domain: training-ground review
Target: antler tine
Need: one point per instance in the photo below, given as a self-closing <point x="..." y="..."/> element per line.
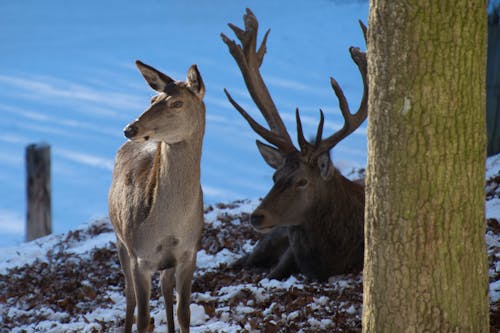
<point x="263" y="49"/>
<point x="249" y="60"/>
<point x="303" y="144"/>
<point x="351" y="121"/>
<point x="319" y="132"/>
<point x="306" y="148"/>
<point x="259" y="129"/>
<point x="364" y="29"/>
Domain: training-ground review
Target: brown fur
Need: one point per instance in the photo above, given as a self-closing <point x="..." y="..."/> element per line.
<point x="319" y="237"/>
<point x="155" y="198"/>
<point x="321" y="210"/>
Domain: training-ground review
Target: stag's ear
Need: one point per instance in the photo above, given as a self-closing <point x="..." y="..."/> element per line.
<point x="325" y="166"/>
<point x="195" y="82"/>
<point x="271" y="155"/>
<point x="156" y="79"/>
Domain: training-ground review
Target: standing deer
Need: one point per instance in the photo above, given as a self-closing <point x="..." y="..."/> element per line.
<point x="315" y="215"/>
<point x="155" y="199"/>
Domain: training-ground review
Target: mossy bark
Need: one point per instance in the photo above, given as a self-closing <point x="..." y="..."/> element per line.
<point x="425" y="257"/>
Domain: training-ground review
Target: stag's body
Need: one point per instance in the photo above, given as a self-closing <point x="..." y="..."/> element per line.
<point x="155" y="199"/>
<point x="314" y="215"/>
<point x="329" y="239"/>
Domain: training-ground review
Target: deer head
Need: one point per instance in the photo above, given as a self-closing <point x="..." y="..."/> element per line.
<point x="305" y="176"/>
<point x="174" y="113"/>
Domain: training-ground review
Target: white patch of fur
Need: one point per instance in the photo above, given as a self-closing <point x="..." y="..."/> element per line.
<point x="150" y="146"/>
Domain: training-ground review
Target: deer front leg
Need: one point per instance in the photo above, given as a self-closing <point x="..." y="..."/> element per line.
<point x="167" y="289"/>
<point x="129" y="286"/>
<point x="183" y="280"/>
<point x="285" y="267"/>
<point x="269" y="249"/>
<point x="142" y="287"/>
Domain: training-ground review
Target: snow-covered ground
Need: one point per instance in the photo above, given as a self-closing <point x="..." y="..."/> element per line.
<point x="67" y="77"/>
<point x="72" y="282"/>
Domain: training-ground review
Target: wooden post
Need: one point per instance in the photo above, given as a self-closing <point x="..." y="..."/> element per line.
<point x="38" y="191"/>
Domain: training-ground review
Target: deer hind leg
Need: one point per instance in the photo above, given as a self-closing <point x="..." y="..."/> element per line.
<point x="167" y="289"/>
<point x="183" y="280"/>
<point x="129" y="286"/>
<point x="142" y="287"/>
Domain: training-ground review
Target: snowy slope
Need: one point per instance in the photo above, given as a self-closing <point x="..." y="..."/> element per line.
<point x="67" y="77"/>
<point x="75" y="285"/>
<point x="72" y="282"/>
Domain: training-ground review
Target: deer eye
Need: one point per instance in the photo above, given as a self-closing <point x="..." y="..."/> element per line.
<point x="302" y="183"/>
<point x="176" y="104"/>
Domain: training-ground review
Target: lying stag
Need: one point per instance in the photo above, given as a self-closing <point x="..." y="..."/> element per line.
<point x="155" y="199"/>
<point x="315" y="215"/>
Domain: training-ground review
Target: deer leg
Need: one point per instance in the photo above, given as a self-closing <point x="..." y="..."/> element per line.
<point x="268" y="250"/>
<point x="142" y="287"/>
<point x="183" y="280"/>
<point x="285" y="267"/>
<point x="129" y="286"/>
<point x="167" y="289"/>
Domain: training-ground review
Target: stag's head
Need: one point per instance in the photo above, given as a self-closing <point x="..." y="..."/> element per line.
<point x="303" y="175"/>
<point x="175" y="113"/>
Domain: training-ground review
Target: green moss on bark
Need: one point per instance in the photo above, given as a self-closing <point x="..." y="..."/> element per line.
<point x="425" y="176"/>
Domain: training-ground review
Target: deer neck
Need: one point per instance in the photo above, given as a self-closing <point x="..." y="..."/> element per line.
<point x="180" y="161"/>
<point x="341" y="199"/>
<point x="176" y="170"/>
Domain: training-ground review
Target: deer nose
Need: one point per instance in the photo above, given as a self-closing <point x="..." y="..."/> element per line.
<point x="256" y="220"/>
<point x="130" y="131"/>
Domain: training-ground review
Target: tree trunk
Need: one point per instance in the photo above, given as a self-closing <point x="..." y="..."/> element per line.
<point x="425" y="258"/>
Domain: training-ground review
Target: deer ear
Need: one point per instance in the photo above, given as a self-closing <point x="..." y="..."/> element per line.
<point x="195" y="82"/>
<point x="271" y="155"/>
<point x="156" y="79"/>
<point x="325" y="166"/>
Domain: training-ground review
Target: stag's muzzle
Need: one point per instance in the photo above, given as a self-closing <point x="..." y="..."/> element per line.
<point x="261" y="223"/>
<point x="256" y="220"/>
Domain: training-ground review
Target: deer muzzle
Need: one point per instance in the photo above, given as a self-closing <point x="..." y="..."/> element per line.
<point x="260" y="223"/>
<point x="130" y="131"/>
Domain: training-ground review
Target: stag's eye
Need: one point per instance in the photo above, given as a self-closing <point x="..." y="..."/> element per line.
<point x="302" y="183"/>
<point x="176" y="104"/>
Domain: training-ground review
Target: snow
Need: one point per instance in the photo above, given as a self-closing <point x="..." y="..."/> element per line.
<point x="82" y="244"/>
<point x="492" y="166"/>
<point x="493" y="212"/>
<point x="231" y="303"/>
<point x="493" y="209"/>
<point x="26" y="253"/>
<point x="212" y="262"/>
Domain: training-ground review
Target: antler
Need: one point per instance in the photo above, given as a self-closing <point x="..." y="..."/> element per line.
<point x="249" y="60"/>
<point x="351" y="121"/>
